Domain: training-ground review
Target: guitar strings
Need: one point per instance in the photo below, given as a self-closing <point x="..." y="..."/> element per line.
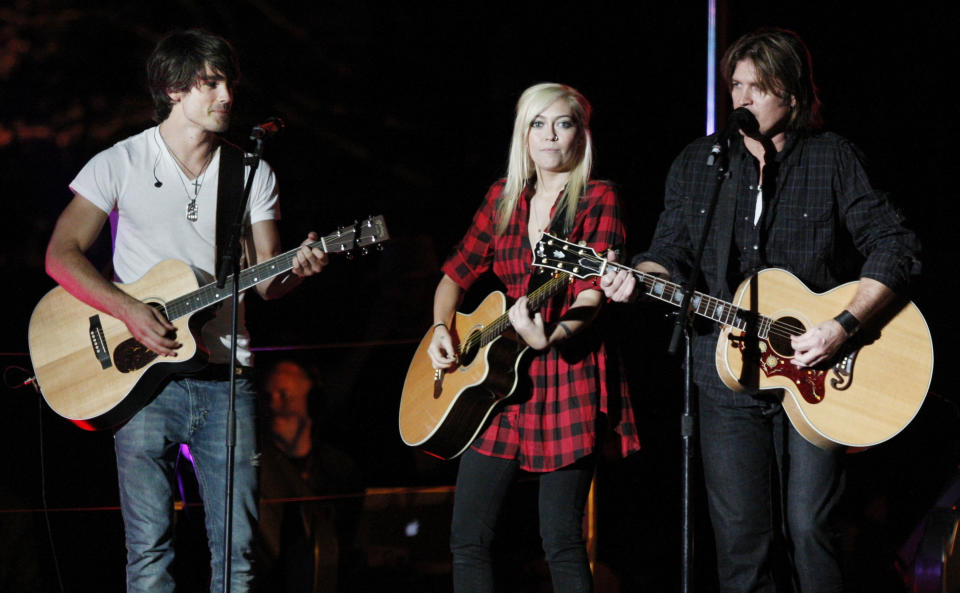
<point x="286" y="259"/>
<point x="777" y="328"/>
<point x="503" y="321"/>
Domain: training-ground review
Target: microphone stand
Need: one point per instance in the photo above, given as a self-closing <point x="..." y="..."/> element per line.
<point x="229" y="260"/>
<point x="720" y="158"/>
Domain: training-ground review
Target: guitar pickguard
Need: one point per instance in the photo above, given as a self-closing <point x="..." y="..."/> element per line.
<point x="809" y="382"/>
<point x="130" y="355"/>
<point x="843" y="371"/>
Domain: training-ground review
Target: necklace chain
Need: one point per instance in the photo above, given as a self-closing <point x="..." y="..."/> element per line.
<point x="192" y="211"/>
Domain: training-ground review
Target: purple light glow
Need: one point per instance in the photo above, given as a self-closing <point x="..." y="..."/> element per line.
<point x="711" y="66"/>
<point x="185" y="453"/>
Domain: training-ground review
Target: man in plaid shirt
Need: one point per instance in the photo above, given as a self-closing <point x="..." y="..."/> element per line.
<point x="799" y="199"/>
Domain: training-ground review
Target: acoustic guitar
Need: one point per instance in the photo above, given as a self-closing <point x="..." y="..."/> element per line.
<point x="442" y="412"/>
<point x="865" y="395"/>
<point x="92" y="371"/>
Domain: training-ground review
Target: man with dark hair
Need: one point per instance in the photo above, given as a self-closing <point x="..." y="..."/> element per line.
<point x="177" y="61"/>
<point x="795" y="198"/>
<point x="163" y="183"/>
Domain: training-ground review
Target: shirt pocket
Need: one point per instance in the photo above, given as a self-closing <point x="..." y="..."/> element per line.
<point x="805" y="228"/>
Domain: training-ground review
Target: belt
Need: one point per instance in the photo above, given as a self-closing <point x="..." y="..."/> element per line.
<point x="221" y="372"/>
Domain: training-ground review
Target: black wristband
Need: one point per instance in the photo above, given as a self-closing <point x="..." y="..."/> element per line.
<point x="565" y="329"/>
<point x="436" y="325"/>
<point x="848" y="322"/>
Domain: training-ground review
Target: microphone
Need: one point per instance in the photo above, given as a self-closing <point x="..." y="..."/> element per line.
<point x="740" y="119"/>
<point x="268" y="128"/>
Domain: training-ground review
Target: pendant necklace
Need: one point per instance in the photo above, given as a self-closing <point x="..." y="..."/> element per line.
<point x="197" y="183"/>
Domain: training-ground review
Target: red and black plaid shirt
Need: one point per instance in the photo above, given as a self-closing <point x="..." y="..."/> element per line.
<point x="557" y="424"/>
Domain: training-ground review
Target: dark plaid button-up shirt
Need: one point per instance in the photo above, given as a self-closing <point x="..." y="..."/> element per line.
<point x="557" y="423"/>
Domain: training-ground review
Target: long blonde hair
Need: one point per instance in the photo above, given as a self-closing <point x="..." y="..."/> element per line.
<point x="520" y="168"/>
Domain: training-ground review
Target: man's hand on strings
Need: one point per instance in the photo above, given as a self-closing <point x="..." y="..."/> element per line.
<point x="149" y="327"/>
<point x="818" y="344"/>
<point x="309" y="260"/>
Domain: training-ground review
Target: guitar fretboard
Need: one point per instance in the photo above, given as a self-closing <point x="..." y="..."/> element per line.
<point x="206" y="296"/>
<point x="584" y="262"/>
<point x="535" y="300"/>
<point x="701" y="304"/>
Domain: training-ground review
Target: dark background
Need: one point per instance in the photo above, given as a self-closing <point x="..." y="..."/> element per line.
<point x="405" y="110"/>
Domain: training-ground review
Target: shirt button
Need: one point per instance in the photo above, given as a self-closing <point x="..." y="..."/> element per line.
<point x="756" y="247"/>
<point x="703" y="211"/>
<point x="805" y="215"/>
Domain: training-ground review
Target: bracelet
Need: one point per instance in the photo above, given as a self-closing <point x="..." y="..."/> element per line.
<point x="848" y="322"/>
<point x="436" y="325"/>
<point x="566" y="329"/>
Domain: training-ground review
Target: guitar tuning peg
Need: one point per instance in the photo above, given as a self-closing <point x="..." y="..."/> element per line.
<point x="379" y="246"/>
<point x="364" y="251"/>
<point x="350" y="254"/>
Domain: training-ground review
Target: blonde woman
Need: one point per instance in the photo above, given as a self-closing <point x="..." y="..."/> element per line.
<point x="574" y="390"/>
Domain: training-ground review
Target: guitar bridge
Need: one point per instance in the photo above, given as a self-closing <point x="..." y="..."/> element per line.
<point x="99" y="342"/>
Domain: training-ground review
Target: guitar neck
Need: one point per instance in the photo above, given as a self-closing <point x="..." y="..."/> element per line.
<point x="535" y="300"/>
<point x="211" y="294"/>
<point x="701" y="304"/>
<point x="584" y="262"/>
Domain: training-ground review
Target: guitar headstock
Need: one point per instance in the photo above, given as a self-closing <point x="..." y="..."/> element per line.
<point x="563" y="256"/>
<point x="372" y="231"/>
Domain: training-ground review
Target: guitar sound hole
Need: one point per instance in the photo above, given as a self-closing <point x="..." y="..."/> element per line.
<point x="780" y="332"/>
<point x="130" y="355"/>
<point x="472" y="343"/>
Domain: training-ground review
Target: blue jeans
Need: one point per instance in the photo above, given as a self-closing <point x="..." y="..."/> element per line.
<point x="482" y="483"/>
<point x="188" y="411"/>
<point x="759" y="469"/>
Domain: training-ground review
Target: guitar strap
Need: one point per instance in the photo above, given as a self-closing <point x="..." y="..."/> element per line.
<point x="229" y="193"/>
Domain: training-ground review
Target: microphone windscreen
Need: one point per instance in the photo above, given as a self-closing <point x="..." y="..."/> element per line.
<point x="742" y="119"/>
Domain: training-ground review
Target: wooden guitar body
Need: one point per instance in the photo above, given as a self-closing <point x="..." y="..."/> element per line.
<point x="442" y="413"/>
<point x="90" y="368"/>
<point x="868" y="393"/>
